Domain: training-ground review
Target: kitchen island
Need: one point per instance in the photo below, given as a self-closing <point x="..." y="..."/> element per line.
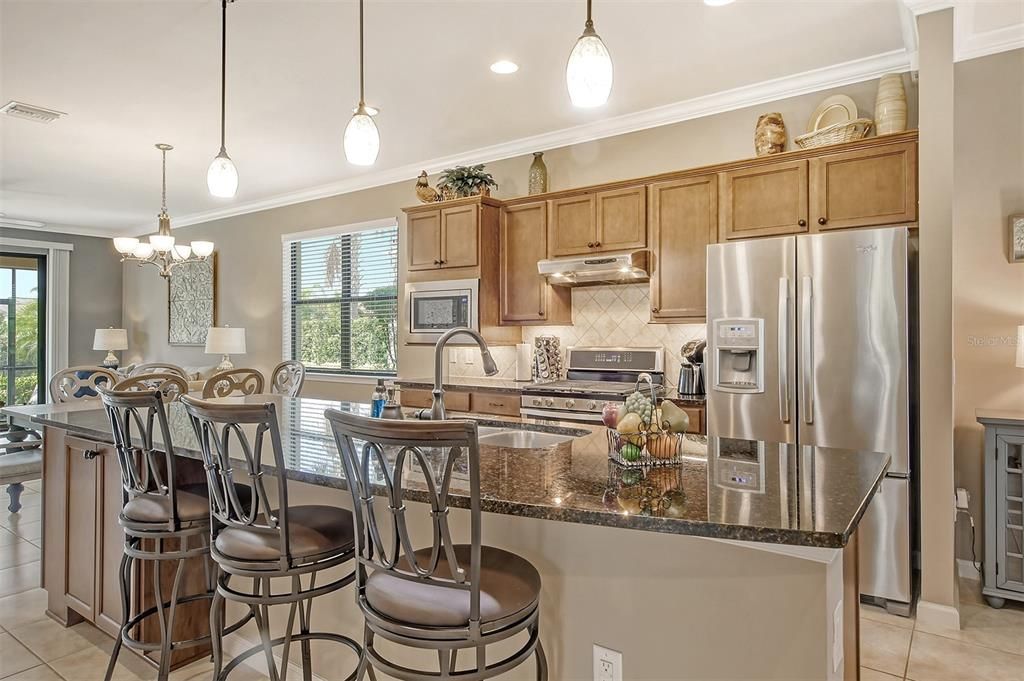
<point x="738" y="562"/>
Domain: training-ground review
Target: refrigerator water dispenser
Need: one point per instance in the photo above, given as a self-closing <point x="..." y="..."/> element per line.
<point x="739" y="361"/>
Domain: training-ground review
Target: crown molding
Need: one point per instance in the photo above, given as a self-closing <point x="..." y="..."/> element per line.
<point x="837" y="75"/>
<point x="919" y="7"/>
<point x="970" y="44"/>
<point x="72" y="230"/>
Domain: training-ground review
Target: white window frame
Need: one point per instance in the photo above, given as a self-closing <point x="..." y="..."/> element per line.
<point x="286" y="303"/>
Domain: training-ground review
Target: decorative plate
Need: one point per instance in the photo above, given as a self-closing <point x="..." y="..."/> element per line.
<point x="832" y="110"/>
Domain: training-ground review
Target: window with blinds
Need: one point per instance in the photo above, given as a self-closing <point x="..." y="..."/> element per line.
<point x="341" y="300"/>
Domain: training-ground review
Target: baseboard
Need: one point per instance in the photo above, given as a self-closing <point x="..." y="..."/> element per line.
<point x="966" y="569"/>
<point x="236" y="644"/>
<point x="938" y="615"/>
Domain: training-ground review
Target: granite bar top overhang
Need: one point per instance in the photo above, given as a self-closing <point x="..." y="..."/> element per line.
<point x="506" y="385"/>
<point x="725" y="489"/>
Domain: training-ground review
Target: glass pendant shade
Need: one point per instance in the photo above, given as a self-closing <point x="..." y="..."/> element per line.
<point x="202" y="249"/>
<point x="161" y="243"/>
<point x="588" y="74"/>
<point x="125" y="244"/>
<point x="143" y="250"/>
<point x="362" y="140"/>
<point x="181" y="252"/>
<point x="222" y="178"/>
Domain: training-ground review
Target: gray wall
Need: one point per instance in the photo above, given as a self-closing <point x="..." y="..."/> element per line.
<point x="95" y="287"/>
<point x="249" y="246"/>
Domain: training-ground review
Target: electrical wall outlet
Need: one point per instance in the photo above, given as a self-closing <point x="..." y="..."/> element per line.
<point x="963" y="498"/>
<point x="607" y="664"/>
<point x="469" y="356"/>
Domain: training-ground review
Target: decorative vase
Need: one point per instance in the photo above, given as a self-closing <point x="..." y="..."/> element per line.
<point x="770" y="134"/>
<point x="538" y="182"/>
<point x="890" y="105"/>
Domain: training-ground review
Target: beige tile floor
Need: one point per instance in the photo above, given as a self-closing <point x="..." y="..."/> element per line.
<point x="989" y="647"/>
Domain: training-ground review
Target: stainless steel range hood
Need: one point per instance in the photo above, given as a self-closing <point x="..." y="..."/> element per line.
<point x="614" y="268"/>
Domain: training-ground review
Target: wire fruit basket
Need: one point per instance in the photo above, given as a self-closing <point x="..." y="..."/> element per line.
<point x="643" y="435"/>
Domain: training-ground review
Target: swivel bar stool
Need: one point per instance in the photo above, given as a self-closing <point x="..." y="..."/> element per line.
<point x="445" y="596"/>
<point x="162" y="521"/>
<point x="262" y="542"/>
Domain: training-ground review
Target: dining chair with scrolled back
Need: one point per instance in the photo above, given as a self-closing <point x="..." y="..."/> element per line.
<point x="442" y="596"/>
<point x="158" y="368"/>
<point x="255" y="538"/>
<point x="80" y="383"/>
<point x="169" y="386"/>
<point x="287" y="378"/>
<point x="233" y="382"/>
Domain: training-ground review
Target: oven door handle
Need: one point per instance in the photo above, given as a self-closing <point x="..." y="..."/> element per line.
<point x="588" y="417"/>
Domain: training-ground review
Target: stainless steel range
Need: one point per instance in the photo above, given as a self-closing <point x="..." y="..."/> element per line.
<point x="594" y="376"/>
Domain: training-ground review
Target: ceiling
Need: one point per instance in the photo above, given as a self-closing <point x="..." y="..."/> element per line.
<point x="130" y="74"/>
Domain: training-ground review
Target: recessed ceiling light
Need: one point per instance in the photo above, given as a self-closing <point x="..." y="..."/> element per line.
<point x="717" y="3"/>
<point x="504" y="66"/>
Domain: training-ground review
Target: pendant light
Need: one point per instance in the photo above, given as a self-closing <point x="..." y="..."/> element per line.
<point x="222" y="178"/>
<point x="588" y="74"/>
<point x="362" y="140"/>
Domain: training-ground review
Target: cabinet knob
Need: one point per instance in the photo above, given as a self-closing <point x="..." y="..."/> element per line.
<point x="590" y="244"/>
<point x="437" y="262"/>
<point x="89" y="454"/>
<point x="597" y="244"/>
<point x="802" y="222"/>
<point x="822" y="221"/>
<point x="441" y="262"/>
<point x="654" y="310"/>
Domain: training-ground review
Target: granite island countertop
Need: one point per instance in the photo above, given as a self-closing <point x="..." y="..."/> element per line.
<point x="726" y="489"/>
<point x="505" y="385"/>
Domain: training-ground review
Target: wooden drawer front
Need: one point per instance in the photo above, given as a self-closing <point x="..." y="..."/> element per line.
<point x="764" y="201"/>
<point x="501" y="404"/>
<point x="416" y="398"/>
<point x="696" y="415"/>
<point x="621" y="219"/>
<point x="572" y="227"/>
<point x="864" y="187"/>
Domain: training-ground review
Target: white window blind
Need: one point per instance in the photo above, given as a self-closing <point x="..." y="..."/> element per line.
<point x="341" y="299"/>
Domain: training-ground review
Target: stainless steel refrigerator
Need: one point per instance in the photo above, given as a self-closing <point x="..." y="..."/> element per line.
<point x="810" y="342"/>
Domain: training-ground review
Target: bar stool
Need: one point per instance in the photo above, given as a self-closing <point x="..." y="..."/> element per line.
<point x="265" y="543"/>
<point x="162" y="521"/>
<point x="447" y="596"/>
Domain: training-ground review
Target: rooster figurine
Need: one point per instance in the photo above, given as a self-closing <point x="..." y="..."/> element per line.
<point x="424" y="192"/>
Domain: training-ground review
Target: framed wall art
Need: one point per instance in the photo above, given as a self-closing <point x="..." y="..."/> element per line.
<point x="192" y="302"/>
<point x="1016" y="241"/>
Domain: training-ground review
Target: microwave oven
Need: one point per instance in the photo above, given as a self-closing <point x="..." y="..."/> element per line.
<point x="434" y="307"/>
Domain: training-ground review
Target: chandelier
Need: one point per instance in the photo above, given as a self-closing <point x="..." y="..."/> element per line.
<point x="160" y="250"/>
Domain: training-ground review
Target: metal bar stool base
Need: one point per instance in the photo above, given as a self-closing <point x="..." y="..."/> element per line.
<point x="296" y="638"/>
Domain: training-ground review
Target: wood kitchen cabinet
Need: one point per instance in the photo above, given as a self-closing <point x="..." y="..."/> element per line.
<point x="864" y="187"/>
<point x="526" y="296"/>
<point x="444" y="238"/>
<point x="764" y="200"/>
<point x="684" y="220"/>
<point x="599" y="222"/>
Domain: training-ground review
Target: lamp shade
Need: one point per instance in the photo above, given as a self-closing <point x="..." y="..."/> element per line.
<point x="225" y="340"/>
<point x="110" y="339"/>
<point x="1020" y="346"/>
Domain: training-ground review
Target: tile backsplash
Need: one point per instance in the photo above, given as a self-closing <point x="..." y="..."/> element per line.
<point x="602" y="316"/>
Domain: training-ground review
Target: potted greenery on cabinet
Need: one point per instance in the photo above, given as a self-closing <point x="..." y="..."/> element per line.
<point x="463" y="181"/>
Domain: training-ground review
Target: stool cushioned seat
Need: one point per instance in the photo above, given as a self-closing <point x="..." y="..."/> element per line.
<point x="314" y="530"/>
<point x="508" y="584"/>
<point x="193" y="504"/>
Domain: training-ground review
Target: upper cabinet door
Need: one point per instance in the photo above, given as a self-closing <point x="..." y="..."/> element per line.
<point x="459" y="236"/>
<point x="424" y="240"/>
<point x="684" y="220"/>
<point x="875" y="186"/>
<point x="764" y="200"/>
<point x="573" y="225"/>
<point x="524" y="238"/>
<point x="621" y="219"/>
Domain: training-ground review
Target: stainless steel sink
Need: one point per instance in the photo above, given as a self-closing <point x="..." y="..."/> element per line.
<point x="517" y="438"/>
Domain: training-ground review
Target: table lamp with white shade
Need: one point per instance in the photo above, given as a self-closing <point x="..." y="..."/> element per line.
<point x="225" y="341"/>
<point x="110" y="339"/>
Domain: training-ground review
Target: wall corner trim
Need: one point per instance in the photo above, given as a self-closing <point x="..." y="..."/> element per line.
<point x="938" y="615"/>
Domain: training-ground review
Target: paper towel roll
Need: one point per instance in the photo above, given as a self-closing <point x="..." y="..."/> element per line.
<point x="524" y="362"/>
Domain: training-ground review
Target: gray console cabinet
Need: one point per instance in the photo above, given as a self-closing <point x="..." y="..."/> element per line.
<point x="1004" y="506"/>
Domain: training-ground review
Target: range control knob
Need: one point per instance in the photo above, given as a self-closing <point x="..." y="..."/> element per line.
<point x="592" y="405"/>
<point x="548" y="402"/>
<point x="536" y="401"/>
<point x="569" y="404"/>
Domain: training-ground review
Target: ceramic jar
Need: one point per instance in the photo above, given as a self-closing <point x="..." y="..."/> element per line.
<point x="538" y="181"/>
<point x="770" y="134"/>
<point x="890" y="105"/>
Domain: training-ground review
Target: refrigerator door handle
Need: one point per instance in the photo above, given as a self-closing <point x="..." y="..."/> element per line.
<point x="784" y="349"/>
<point x="807" y="350"/>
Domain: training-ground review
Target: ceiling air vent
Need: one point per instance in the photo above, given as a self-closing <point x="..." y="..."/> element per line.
<point x="30" y="112"/>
